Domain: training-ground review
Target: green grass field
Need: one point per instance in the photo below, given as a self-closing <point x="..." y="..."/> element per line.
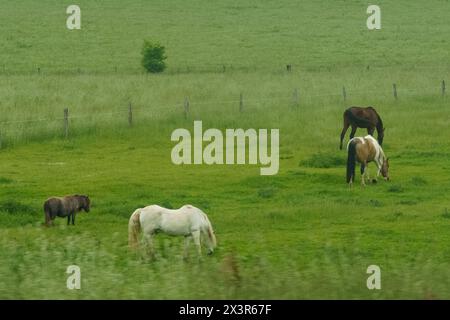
<point x="302" y="234"/>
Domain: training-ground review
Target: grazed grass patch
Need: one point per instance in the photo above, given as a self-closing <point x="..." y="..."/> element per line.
<point x="446" y="214"/>
<point x="418" y="181"/>
<point x="324" y="160"/>
<point x="267" y="192"/>
<point x="15" y="207"/>
<point x="396" y="188"/>
<point x="4" y="180"/>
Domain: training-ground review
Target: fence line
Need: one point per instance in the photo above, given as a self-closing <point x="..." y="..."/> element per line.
<point x="239" y="102"/>
<point x="225" y="102"/>
<point x="221" y="67"/>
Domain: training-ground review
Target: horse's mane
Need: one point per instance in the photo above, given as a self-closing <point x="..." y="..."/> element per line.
<point x="78" y="196"/>
<point x="380" y="122"/>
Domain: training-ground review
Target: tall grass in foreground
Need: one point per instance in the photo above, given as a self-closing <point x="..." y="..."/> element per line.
<point x="37" y="266"/>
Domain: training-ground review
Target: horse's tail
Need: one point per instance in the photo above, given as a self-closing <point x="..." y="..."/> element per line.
<point x="134" y="227"/>
<point x="380" y="122"/>
<point x="47" y="209"/>
<point x="209" y="231"/>
<point x="380" y="128"/>
<point x="351" y="161"/>
<point x="360" y="122"/>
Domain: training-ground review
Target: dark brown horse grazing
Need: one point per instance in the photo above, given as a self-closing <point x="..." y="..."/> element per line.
<point x="359" y="117"/>
<point x="65" y="207"/>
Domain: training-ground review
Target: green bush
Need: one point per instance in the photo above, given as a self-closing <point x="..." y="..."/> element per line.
<point x="153" y="56"/>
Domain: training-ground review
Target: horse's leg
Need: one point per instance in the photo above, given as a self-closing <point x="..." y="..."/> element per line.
<point x="363" y="174"/>
<point x="149" y="245"/>
<point x="378" y="164"/>
<point x="196" y="237"/>
<point x="352" y="134"/>
<point x="73" y="218"/>
<point x="187" y="241"/>
<point x="51" y="220"/>
<point x="68" y="219"/>
<point x="47" y="219"/>
<point x="344" y="130"/>
<point x="371" y="130"/>
<point x="363" y="167"/>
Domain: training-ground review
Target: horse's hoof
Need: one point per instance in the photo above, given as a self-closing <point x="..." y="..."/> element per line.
<point x="374" y="181"/>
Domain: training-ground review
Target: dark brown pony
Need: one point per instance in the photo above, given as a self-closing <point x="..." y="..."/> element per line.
<point x="66" y="206"/>
<point x="359" y="117"/>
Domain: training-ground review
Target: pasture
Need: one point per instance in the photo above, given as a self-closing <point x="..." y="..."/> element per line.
<point x="300" y="234"/>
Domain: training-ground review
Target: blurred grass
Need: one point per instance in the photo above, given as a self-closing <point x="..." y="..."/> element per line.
<point x="300" y="234"/>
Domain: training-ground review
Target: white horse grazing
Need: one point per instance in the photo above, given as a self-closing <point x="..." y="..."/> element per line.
<point x="188" y="221"/>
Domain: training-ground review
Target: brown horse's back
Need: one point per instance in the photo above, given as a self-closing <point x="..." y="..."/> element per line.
<point x="362" y="117"/>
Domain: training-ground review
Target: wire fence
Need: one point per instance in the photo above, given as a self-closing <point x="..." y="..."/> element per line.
<point x="296" y="97"/>
<point x="250" y="64"/>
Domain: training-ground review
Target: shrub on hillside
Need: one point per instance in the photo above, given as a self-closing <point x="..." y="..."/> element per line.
<point x="153" y="56"/>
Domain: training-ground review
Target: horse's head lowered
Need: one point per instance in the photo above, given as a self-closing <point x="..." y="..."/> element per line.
<point x="385" y="169"/>
<point x="84" y="202"/>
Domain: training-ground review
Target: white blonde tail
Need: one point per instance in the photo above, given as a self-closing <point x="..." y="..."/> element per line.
<point x="134" y="227"/>
<point x="212" y="236"/>
<point x="209" y="230"/>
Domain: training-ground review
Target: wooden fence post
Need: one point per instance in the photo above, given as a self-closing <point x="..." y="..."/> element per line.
<point x="241" y="102"/>
<point x="186" y="107"/>
<point x="344" y="93"/>
<point x="394" y="87"/>
<point x="443" y="87"/>
<point x="130" y="115"/>
<point x="66" y="122"/>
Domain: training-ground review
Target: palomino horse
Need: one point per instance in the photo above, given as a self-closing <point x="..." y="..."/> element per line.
<point x="365" y="150"/>
<point x="187" y="221"/>
<point x="358" y="117"/>
<point x="65" y="207"/>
